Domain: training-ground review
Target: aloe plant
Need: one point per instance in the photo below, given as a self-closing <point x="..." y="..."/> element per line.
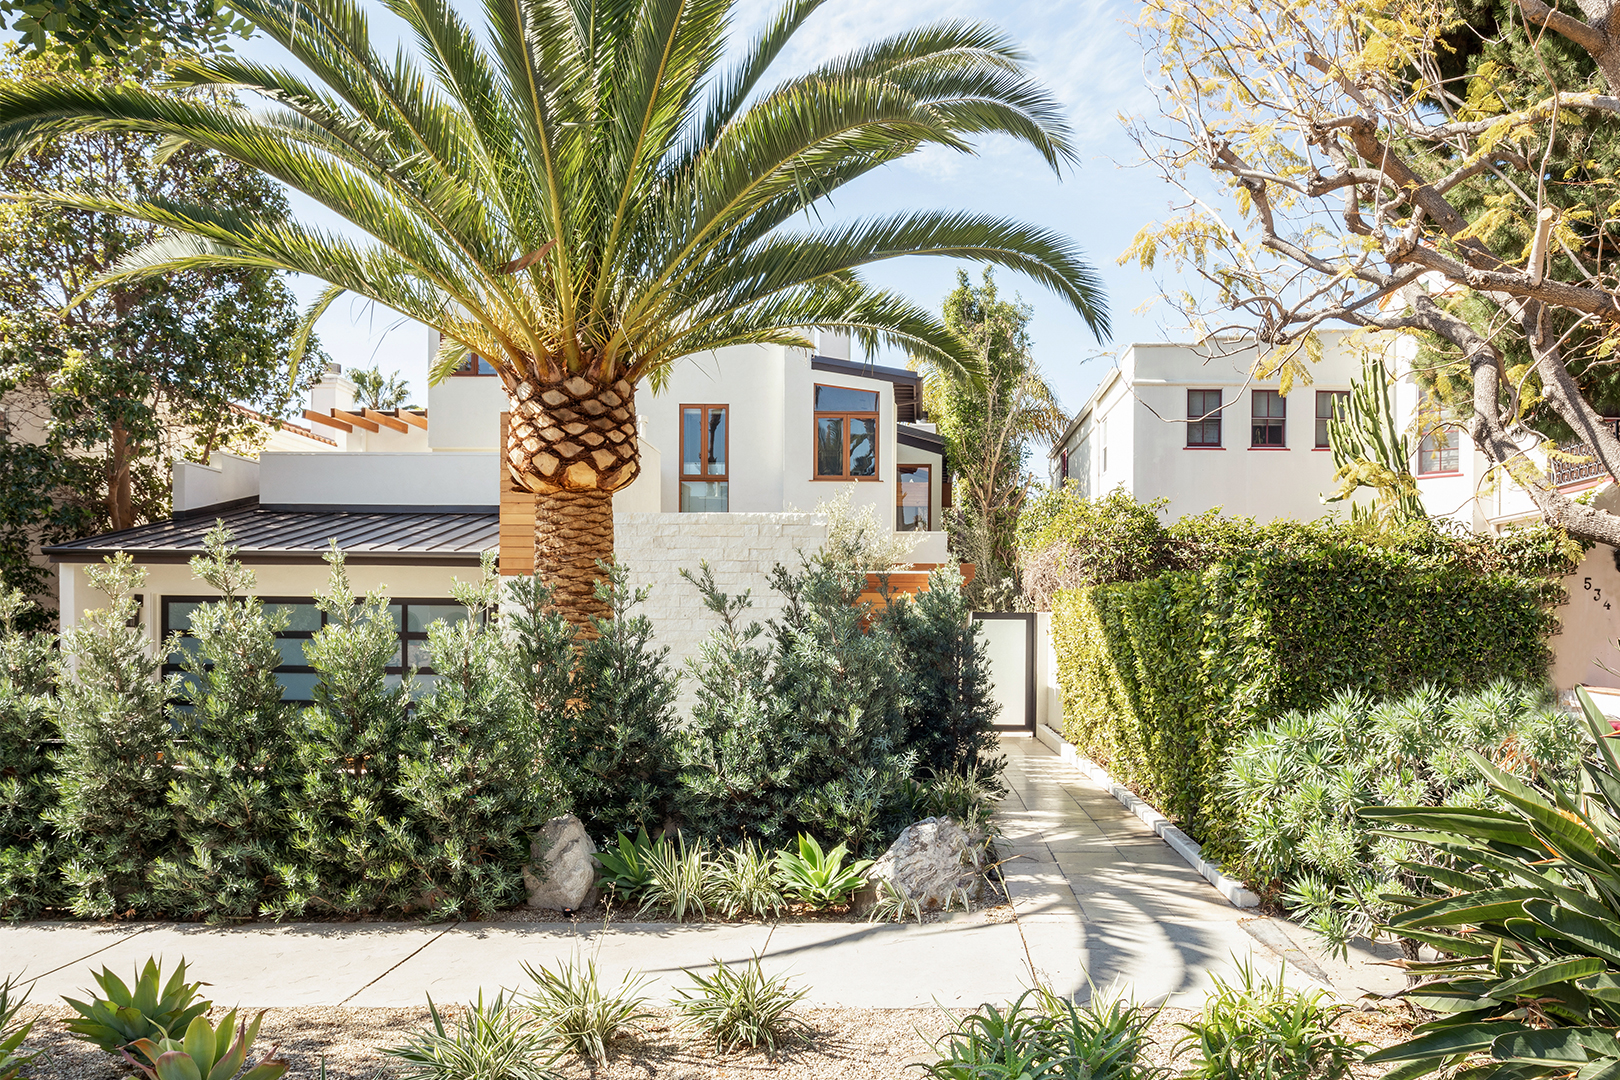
<point x="123" y="1016"/>
<point x="1528" y="931"/>
<point x="206" y="1053"/>
<point x="819" y="879"/>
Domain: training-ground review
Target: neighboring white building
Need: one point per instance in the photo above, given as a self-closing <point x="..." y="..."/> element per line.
<point x="736" y="452"/>
<point x="1193" y="425"/>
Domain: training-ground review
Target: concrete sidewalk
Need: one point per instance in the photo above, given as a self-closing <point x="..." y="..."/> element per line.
<point x="1101" y="902"/>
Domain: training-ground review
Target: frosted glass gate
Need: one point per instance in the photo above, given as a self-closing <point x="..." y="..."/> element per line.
<point x="1010" y="637"/>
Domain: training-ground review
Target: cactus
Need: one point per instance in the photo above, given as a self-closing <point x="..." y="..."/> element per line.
<point x="1369" y="452"/>
<point x="206" y="1053"/>
<point x="123" y="1017"/>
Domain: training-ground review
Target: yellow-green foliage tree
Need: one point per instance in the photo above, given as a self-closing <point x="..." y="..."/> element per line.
<point x="1391" y="165"/>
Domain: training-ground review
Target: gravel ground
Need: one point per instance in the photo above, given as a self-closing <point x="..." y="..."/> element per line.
<point x="880" y="1044"/>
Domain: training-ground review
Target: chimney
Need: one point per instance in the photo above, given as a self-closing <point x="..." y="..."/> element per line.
<point x="833" y="344"/>
<point x="333" y="391"/>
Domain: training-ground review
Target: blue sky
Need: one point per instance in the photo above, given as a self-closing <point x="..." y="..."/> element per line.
<point x="1082" y="49"/>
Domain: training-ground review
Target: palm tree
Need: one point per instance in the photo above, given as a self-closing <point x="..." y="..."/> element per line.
<point x="582" y="194"/>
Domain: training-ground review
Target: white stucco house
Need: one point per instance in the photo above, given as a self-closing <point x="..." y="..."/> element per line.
<point x="737" y="451"/>
<point x="1194" y="425"/>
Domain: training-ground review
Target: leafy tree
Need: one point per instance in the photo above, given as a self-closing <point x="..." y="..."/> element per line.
<point x="1406" y="165"/>
<point x="950" y="715"/>
<point x="236" y="765"/>
<point x="379" y="391"/>
<point x="843" y="705"/>
<point x="101" y="394"/>
<point x="583" y="195"/>
<point x="85" y="33"/>
<point x="353" y="853"/>
<point x="113" y="815"/>
<point x="990" y="419"/>
<point x="475" y="787"/>
<point x="738" y="760"/>
<point x="612" y="750"/>
<point x="28" y="880"/>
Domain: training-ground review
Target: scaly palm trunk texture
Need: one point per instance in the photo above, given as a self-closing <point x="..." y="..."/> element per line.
<point x="573" y="443"/>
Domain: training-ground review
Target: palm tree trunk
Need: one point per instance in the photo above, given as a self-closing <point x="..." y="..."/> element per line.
<point x="572" y="530"/>
<point x="573" y="443"/>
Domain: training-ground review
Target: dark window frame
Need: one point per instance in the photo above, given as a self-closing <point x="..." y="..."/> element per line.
<point x="1335" y="396"/>
<point x="899" y="493"/>
<point x="405" y="634"/>
<point x="1268" y="421"/>
<point x="818" y="415"/>
<point x="1200" y="421"/>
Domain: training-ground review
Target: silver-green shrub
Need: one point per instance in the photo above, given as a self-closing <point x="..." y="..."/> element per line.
<point x="1301" y="781"/>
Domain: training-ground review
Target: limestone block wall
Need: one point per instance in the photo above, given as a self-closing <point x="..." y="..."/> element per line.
<point x="741" y="549"/>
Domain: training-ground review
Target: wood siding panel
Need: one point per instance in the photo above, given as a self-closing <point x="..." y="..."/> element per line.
<point x="517" y="517"/>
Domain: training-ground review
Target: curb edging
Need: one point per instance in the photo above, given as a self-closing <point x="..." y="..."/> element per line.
<point x="1236" y="893"/>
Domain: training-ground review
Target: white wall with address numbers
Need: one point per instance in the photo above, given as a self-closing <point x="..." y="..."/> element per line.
<point x="1585" y="652"/>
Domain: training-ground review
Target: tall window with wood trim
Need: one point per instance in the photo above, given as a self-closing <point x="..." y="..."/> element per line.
<point x="1204" y="418"/>
<point x="1269" y="415"/>
<point x="705" y="456"/>
<point x="1330" y="405"/>
<point x="846" y="433"/>
<point x="912" y="497"/>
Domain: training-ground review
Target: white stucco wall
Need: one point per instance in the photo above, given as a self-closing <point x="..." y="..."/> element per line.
<point x="226" y="477"/>
<point x="464" y="413"/>
<point x="379" y="480"/>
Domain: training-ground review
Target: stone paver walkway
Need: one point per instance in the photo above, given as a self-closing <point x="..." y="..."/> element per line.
<point x="1101" y="902"/>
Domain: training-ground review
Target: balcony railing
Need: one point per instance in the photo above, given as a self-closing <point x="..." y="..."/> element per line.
<point x="1576" y="472"/>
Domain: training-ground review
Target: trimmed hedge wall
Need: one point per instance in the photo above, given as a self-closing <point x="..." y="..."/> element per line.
<point x="1159" y="677"/>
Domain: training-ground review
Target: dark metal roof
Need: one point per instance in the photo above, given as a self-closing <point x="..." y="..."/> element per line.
<point x="920" y="439"/>
<point x="907" y="384"/>
<point x="456" y="537"/>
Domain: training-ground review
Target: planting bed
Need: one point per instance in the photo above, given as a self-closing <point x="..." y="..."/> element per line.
<point x="874" y="1044"/>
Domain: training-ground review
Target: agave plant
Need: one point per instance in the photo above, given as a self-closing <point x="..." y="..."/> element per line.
<point x="206" y="1053"/>
<point x="819" y="878"/>
<point x="1528" y="926"/>
<point x="12" y="1060"/>
<point x="625" y="870"/>
<point x="123" y="1016"/>
<point x="581" y="194"/>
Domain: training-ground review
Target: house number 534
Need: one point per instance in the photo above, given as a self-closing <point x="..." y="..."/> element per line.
<point x="1597" y="593"/>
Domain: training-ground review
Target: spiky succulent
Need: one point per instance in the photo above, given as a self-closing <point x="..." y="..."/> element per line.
<point x="206" y="1053"/>
<point x="122" y="1017"/>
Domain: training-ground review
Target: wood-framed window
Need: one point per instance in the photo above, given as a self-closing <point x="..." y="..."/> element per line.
<point x="1330" y="405"/>
<point x="1269" y="417"/>
<point x="1203" y="418"/>
<point x="1439" y="452"/>
<point x="912" y="495"/>
<point x="705" y="457"/>
<point x="297" y="677"/>
<point x="474" y="365"/>
<point x="846" y="427"/>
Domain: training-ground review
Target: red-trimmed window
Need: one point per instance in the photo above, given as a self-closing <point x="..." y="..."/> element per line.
<point x="1330" y="405"/>
<point x="1438" y="451"/>
<point x="1203" y="418"/>
<point x="1269" y="416"/>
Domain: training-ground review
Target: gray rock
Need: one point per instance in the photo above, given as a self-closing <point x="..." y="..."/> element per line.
<point x="933" y="861"/>
<point x="562" y="873"/>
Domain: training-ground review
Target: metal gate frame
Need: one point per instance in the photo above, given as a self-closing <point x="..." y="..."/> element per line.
<point x="1028" y="619"/>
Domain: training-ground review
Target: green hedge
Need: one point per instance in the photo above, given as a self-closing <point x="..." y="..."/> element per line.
<point x="1159" y="677"/>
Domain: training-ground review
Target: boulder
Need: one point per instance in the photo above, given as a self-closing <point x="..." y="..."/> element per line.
<point x="562" y="871"/>
<point x="933" y="860"/>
